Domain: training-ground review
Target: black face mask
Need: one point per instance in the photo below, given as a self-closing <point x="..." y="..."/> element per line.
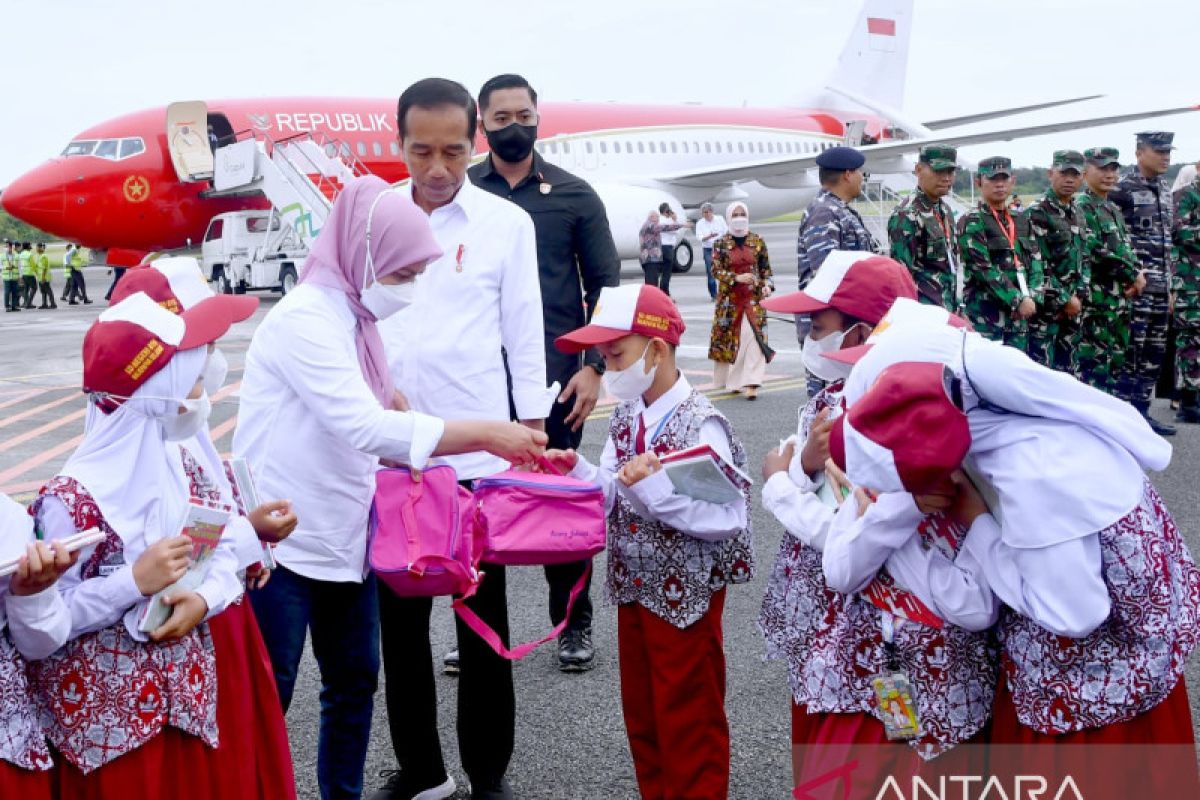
<point x="512" y="143"/>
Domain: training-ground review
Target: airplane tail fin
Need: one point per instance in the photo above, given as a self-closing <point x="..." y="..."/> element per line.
<point x="873" y="65"/>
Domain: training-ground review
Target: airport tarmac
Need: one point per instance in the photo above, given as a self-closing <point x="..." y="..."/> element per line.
<point x="570" y="738"/>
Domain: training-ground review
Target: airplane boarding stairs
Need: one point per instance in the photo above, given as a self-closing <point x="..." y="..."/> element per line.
<point x="301" y="176"/>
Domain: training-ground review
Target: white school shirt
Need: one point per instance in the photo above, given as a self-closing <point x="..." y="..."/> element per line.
<point x="38" y="623"/>
<point x="481" y="295"/>
<point x="655" y="496"/>
<point x="704" y="228"/>
<point x="313" y="432"/>
<point x="669" y="238"/>
<point x="97" y="603"/>
<point x="886" y="536"/>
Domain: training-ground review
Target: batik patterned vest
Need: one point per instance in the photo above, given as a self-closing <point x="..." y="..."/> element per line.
<point x="833" y="643"/>
<point x="665" y="570"/>
<point x="22" y="741"/>
<point x="1134" y="659"/>
<point x="104" y="693"/>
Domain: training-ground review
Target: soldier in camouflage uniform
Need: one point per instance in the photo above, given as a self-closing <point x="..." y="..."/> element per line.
<point x="1186" y="287"/>
<point x="1001" y="262"/>
<point x="1145" y="201"/>
<point x="1057" y="226"/>
<point x="1115" y="276"/>
<point x="921" y="230"/>
<point x="829" y="224"/>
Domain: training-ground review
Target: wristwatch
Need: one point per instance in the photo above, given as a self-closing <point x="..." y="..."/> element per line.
<point x="599" y="366"/>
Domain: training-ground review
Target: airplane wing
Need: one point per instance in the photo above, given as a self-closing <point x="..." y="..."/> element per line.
<point x="954" y="122"/>
<point x="885" y="151"/>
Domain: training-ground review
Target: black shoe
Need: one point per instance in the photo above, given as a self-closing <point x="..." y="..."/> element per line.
<point x="500" y="790"/>
<point x="575" y="651"/>
<point x="72" y="303"/>
<point x="450" y="663"/>
<point x="87" y="302"/>
<point x="397" y="788"/>
<point x="1190" y="414"/>
<point x="1161" y="428"/>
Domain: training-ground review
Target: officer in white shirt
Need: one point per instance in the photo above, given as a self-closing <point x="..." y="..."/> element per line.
<point x="475" y="306"/>
<point x="709" y="228"/>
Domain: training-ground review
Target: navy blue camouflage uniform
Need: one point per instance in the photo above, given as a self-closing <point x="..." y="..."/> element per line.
<point x="829" y="224"/>
<point x="1149" y="212"/>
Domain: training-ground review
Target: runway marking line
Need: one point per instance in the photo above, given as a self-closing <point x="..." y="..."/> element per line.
<point x="38" y="409"/>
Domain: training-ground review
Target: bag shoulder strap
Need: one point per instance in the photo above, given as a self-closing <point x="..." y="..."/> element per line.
<point x="489" y="635"/>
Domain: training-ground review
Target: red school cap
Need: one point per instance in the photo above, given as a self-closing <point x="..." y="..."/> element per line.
<point x="862" y="285"/>
<point x="623" y="310"/>
<point x="135" y="338"/>
<point x="907" y="433"/>
<point x="177" y="284"/>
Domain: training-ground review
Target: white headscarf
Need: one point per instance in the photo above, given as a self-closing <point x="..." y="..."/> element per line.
<point x="1187" y="174"/>
<point x="127" y="465"/>
<point x="1067" y="459"/>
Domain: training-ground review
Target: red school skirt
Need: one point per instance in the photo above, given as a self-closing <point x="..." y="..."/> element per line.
<point x="1152" y="755"/>
<point x="848" y="756"/>
<point x="253" y="755"/>
<point x="25" y="784"/>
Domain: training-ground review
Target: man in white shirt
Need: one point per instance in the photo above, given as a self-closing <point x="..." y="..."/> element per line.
<point x="445" y="353"/>
<point x="709" y="228"/>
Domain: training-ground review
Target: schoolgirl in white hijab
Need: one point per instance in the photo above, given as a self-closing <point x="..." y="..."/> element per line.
<point x="122" y="707"/>
<point x="1103" y="596"/>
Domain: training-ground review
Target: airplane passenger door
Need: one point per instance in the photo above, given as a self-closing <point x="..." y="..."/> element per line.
<point x="187" y="141"/>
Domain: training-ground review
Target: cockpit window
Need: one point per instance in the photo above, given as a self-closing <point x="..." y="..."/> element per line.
<point x="110" y="149"/>
<point x="131" y="147"/>
<point x="80" y="148"/>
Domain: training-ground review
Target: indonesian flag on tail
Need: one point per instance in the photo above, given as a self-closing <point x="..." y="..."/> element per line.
<point x="881" y="34"/>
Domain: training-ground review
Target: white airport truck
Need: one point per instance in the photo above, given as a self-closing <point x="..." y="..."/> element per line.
<point x="251" y="250"/>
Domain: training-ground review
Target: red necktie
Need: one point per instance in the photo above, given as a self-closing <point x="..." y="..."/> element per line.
<point x="639" y="443"/>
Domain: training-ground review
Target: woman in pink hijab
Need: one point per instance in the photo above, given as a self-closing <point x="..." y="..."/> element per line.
<point x="317" y="413"/>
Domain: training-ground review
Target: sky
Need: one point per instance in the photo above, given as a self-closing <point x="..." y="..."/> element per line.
<point x="74" y="63"/>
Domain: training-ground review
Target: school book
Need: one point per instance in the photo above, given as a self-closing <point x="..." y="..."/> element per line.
<point x="243" y="482"/>
<point x="76" y="541"/>
<point x="204" y="525"/>
<point x="700" y="473"/>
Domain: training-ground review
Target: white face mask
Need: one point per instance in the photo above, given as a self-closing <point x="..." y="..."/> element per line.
<point x="739" y="226"/>
<point x="385" y="299"/>
<point x="216" y="370"/>
<point x="813" y="355"/>
<point x="629" y="383"/>
<point x="187" y="424"/>
<point x="382" y="299"/>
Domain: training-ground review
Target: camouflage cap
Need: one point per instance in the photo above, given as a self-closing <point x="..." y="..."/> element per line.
<point x="1068" y="159"/>
<point x="1102" y="156"/>
<point x="1157" y="140"/>
<point x="995" y="166"/>
<point x="939" y="156"/>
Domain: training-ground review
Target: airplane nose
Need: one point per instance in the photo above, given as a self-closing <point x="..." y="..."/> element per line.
<point x="38" y="197"/>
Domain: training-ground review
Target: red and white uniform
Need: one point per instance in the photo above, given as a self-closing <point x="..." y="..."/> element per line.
<point x="31" y="627"/>
<point x="670" y="559"/>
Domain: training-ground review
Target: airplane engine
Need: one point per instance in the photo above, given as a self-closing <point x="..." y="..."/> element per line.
<point x="627" y="207"/>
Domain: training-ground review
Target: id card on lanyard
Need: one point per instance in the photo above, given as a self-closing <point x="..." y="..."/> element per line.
<point x="1009" y="229"/>
<point x="893" y="690"/>
<point x="960" y="279"/>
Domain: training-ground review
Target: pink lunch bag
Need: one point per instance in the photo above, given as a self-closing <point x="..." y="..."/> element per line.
<point x="421" y="533"/>
<point x="528" y="519"/>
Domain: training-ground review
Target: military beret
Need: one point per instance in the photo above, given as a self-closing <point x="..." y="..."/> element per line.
<point x="1157" y="140"/>
<point x="996" y="165"/>
<point x="840" y="158"/>
<point x="1102" y="156"/>
<point x="939" y="156"/>
<point x="1068" y="159"/>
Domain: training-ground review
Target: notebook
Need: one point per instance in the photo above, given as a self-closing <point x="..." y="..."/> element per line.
<point x="700" y="473"/>
<point x="204" y="525"/>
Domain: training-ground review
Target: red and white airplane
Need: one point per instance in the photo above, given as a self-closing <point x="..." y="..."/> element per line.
<point x="115" y="186"/>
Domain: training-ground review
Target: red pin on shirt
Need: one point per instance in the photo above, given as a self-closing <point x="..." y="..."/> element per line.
<point x="458" y="259"/>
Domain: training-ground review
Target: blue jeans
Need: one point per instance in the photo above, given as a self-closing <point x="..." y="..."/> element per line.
<point x="712" y="282"/>
<point x="344" y="620"/>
